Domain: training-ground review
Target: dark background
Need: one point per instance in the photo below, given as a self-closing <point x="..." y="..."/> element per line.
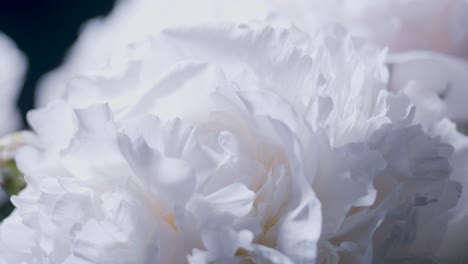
<point x="44" y="30"/>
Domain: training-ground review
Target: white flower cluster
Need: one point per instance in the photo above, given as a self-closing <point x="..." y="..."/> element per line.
<point x="250" y="142"/>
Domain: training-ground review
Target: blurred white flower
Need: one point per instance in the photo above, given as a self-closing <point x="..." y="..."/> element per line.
<point x="12" y="70"/>
<point x="402" y="25"/>
<point x="444" y="77"/>
<point x="228" y="144"/>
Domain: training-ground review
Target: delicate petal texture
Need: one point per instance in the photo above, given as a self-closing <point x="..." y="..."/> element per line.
<point x="348" y="107"/>
<point x="12" y="70"/>
<point x="135" y="21"/>
<point x="436" y="84"/>
<point x="401" y="25"/>
<point x="234" y="144"/>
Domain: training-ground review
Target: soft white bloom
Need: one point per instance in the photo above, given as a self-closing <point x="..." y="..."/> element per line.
<point x="229" y="144"/>
<point x="402" y="25"/>
<point x="12" y="70"/>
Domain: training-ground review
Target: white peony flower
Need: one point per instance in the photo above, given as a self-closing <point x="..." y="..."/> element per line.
<point x="12" y="70"/>
<point x="435" y="83"/>
<point x="232" y="144"/>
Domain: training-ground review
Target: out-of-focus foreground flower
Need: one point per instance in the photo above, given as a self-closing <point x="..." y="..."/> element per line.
<point x="230" y="144"/>
<point x="12" y="70"/>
